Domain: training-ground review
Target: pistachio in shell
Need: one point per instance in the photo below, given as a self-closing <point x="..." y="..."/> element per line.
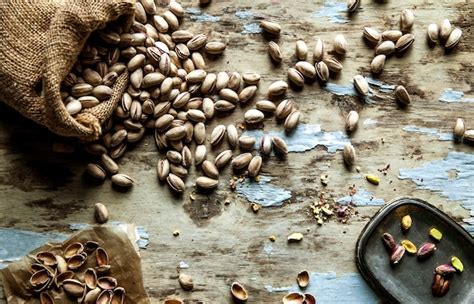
<point x="239" y="292"/>
<point x="118" y="296"/>
<point x="46" y="258"/>
<point x="46" y="298"/>
<point x="107" y="283"/>
<point x="73" y="249"/>
<point x="186" y="281"/>
<point x="294" y="298"/>
<point x="61" y="264"/>
<point x="73" y="288"/>
<point x="303" y="279"/>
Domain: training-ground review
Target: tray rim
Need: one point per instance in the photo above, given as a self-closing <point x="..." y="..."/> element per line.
<point x="375" y="221"/>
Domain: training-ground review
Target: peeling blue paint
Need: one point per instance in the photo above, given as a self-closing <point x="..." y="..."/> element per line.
<point x="306" y="137"/>
<point x="244" y="14"/>
<point x="262" y="192"/>
<point x="361" y="198"/>
<point x="252" y="28"/>
<point x="369" y="122"/>
<point x="335" y="12"/>
<point x="15" y="243"/>
<point x="268" y="248"/>
<point x="449" y="95"/>
<point x="328" y="288"/>
<point x="183" y="265"/>
<point x="441" y="136"/>
<point x="197" y="15"/>
<point x="382" y="86"/>
<point x="349" y="90"/>
<point x="435" y="176"/>
<point x="143" y="235"/>
<point x="340" y="90"/>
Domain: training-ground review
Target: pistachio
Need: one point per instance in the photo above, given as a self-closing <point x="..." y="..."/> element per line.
<point x="409" y="246"/>
<point x="432" y="32"/>
<point x="208" y="107"/>
<point x="274" y="52"/>
<point x="397" y="254"/>
<point x="269" y="27"/>
<point x="385" y="48"/>
<point x="199" y="133"/>
<point x="61" y="264"/>
<point x="175" y="183"/>
<point x="241" y="161"/>
<point x="284" y="108"/>
<point x="459" y="129"/>
<point x="179" y="301"/>
<point x="255" y="166"/>
<point x="247" y="93"/>
<point x="292" y="120"/>
<point x="445" y="29"/>
<point x="238" y="291"/>
<point x="232" y="135"/>
<point x="402" y="96"/>
<point x="266" y="145"/>
<point x="222" y="80"/>
<point x="235" y="81"/>
<point x="210" y="169"/>
<point x="294" y="298"/>
<point x="96" y="171"/>
<point x="353" y="5"/>
<point x="426" y="250"/>
<point x="372" y="35"/>
<point x="196" y="76"/>
<point x="251" y="78"/>
<point x="407" y="18"/>
<point x="435" y="234"/>
<point x="306" y="69"/>
<point x="318" y="53"/>
<point x="389" y="242"/>
<point x="301" y="50"/>
<point x="372" y="179"/>
<point x="92" y="296"/>
<point x="176" y="133"/>
<point x="406" y="222"/>
<point x="361" y="85"/>
<point x="392" y="35"/>
<point x="186" y="281"/>
<point x="200" y="154"/>
<point x="333" y="64"/>
<point x="122" y="180"/>
<point x="277" y="88"/>
<point x="445" y="269"/>
<point x="453" y="38"/>
<point x="309" y="299"/>
<point x="206" y="183"/>
<point x="349" y="154"/>
<point x="217" y="135"/>
<point x="197" y="42"/>
<point x="223" y="158"/>
<point x="440" y="285"/>
<point x="352" y="119"/>
<point x="279" y="145"/>
<point x="303" y="279"/>
<point x="404" y="42"/>
<point x="295" y="237"/>
<point x="322" y="71"/>
<point x="340" y="44"/>
<point x="246" y="142"/>
<point x="215" y="47"/>
<point x="253" y="116"/>
<point x="295" y="77"/>
<point x="174" y="156"/>
<point x="377" y="64"/>
<point x="265" y="106"/>
<point x="163" y="169"/>
<point x="101" y="213"/>
<point x="456" y="262"/>
<point x="229" y="95"/>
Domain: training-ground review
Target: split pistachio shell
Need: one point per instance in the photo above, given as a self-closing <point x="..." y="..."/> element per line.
<point x="372" y="179"/>
<point x="459" y="129"/>
<point x="73" y="249"/>
<point x="59" y="279"/>
<point x="333" y="64"/>
<point x="75" y="262"/>
<point x="294" y="298"/>
<point x="90" y="278"/>
<point x="322" y="71"/>
<point x="223" y="158"/>
<point x="353" y="5"/>
<point x="218" y="135"/>
<point x="39" y="278"/>
<point x="247" y="93"/>
<point x="118" y="296"/>
<point x="349" y="154"/>
<point x="292" y="120"/>
<point x="101" y="257"/>
<point x="107" y="283"/>
<point x="309" y="299"/>
<point x="361" y="85"/>
<point x="175" y="183"/>
<point x="238" y="291"/>
<point x="92" y="295"/>
<point x="306" y="69"/>
<point x="266" y="145"/>
<point x="303" y="279"/>
<point x="105" y="297"/>
<point x="46" y="298"/>
<point x="47" y="258"/>
<point x="175" y="301"/>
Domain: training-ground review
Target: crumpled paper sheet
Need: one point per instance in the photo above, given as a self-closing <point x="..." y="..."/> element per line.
<point x="124" y="259"/>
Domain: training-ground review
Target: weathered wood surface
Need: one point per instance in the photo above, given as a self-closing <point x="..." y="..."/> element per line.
<point x="44" y="191"/>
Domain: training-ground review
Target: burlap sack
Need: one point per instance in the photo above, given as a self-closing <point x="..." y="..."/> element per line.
<point x="39" y="43"/>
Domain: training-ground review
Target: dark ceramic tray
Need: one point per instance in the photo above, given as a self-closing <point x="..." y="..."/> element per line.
<point x="410" y="280"/>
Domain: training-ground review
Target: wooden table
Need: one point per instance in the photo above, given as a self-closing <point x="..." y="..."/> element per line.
<point x="44" y="191"/>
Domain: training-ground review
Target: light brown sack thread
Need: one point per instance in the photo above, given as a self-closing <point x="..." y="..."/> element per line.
<point x="39" y="43"/>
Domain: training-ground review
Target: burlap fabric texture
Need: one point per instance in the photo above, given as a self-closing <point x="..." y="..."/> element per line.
<point x="39" y="43"/>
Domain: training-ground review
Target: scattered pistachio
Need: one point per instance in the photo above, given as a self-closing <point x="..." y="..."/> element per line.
<point x="426" y="250"/>
<point x="186" y="281"/>
<point x="409" y="246"/>
<point x="372" y="179"/>
<point x="397" y="254"/>
<point x="389" y="242"/>
<point x="440" y="286"/>
<point x="445" y="269"/>
<point x="406" y="222"/>
<point x="436" y="234"/>
<point x="456" y="262"/>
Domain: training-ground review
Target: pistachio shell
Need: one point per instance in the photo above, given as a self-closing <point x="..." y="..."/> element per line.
<point x="39" y="278"/>
<point x="352" y="119"/>
<point x="105" y="297"/>
<point x="73" y="287"/>
<point x="266" y="145"/>
<point x="175" y="183"/>
<point x="204" y="182"/>
<point x="292" y="120"/>
<point x="306" y="69"/>
<point x="385" y="48"/>
<point x="453" y="38"/>
<point x="218" y="135"/>
<point x="407" y="18"/>
<point x="274" y="52"/>
<point x="241" y="161"/>
<point x="107" y="283"/>
<point x="238" y="291"/>
<point x="253" y="116"/>
<point x="122" y="180"/>
<point x="232" y="135"/>
<point x="361" y="85"/>
<point x="254" y="166"/>
<point x="322" y="71"/>
<point x="90" y="278"/>
<point x="101" y="257"/>
<point x="445" y="29"/>
<point x="210" y="169"/>
<point x="59" y="279"/>
<point x="372" y="35"/>
<point x="270" y="27"/>
<point x="459" y="129"/>
<point x="353" y="5"/>
<point x="318" y="52"/>
<point x="293" y="298"/>
<point x="76" y="261"/>
<point x="301" y="50"/>
<point x="340" y="44"/>
<point x="186" y="281"/>
<point x="46" y="298"/>
<point x="432" y="32"/>
<point x="279" y="145"/>
<point x="101" y="213"/>
<point x="251" y="78"/>
<point x="295" y="77"/>
<point x="246" y="142"/>
<point x="402" y="95"/>
<point x="223" y="158"/>
<point x="404" y="42"/>
<point x="265" y="106"/>
<point x="73" y="249"/>
<point x="118" y="296"/>
<point x="377" y="64"/>
<point x="303" y="279"/>
<point x="92" y="296"/>
<point x="277" y="88"/>
<point x="200" y="154"/>
<point x="392" y="35"/>
<point x="46" y="258"/>
<point x="173" y="301"/>
<point x="61" y="264"/>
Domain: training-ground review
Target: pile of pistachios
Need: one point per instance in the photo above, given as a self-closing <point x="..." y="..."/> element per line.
<point x="443" y="273"/>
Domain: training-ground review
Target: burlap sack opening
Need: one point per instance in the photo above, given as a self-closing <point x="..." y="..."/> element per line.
<point x="39" y="43"/>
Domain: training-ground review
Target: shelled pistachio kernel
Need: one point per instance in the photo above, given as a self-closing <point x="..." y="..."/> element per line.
<point x="372" y="179"/>
<point x="409" y="246"/>
<point x="456" y="262"/>
<point x="406" y="222"/>
<point x="436" y="234"/>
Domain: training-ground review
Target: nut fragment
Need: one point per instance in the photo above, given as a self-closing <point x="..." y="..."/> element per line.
<point x="406" y="222"/>
<point x="440" y="285"/>
<point x="186" y="281"/>
<point x="295" y="237"/>
<point x="389" y="242"/>
<point x="445" y="269"/>
<point x="372" y="179"/>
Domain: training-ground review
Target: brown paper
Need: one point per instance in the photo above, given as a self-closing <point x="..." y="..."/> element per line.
<point x="124" y="261"/>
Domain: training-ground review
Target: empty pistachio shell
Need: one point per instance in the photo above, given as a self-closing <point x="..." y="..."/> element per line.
<point x="75" y="262"/>
<point x="90" y="278"/>
<point x="173" y="301"/>
<point x="293" y="298"/>
<point x="105" y="297"/>
<point x="101" y="256"/>
<point x="309" y="299"/>
<point x="46" y="298"/>
<point x="435" y="234"/>
<point x="303" y="279"/>
<point x="73" y="249"/>
<point x="47" y="258"/>
<point x="186" y="281"/>
<point x="459" y="129"/>
<point x="456" y="262"/>
<point x="409" y="246"/>
<point x="118" y="296"/>
<point x="406" y="222"/>
<point x="238" y="291"/>
<point x="59" y="279"/>
<point x="295" y="77"/>
<point x="73" y="287"/>
<point x="107" y="282"/>
<point x="295" y="237"/>
<point x="39" y="278"/>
